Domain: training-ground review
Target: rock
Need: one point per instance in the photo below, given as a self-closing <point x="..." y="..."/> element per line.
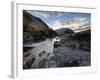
<point x="48" y="62"/>
<point x="28" y="64"/>
<point x="42" y="63"/>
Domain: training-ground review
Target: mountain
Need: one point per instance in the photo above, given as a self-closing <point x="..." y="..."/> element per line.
<point x="83" y="35"/>
<point x="35" y="29"/>
<point x="31" y="22"/>
<point x="63" y="31"/>
<point x="82" y="40"/>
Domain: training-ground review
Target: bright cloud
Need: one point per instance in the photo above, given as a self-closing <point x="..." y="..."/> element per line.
<point x="43" y="14"/>
<point x="46" y="14"/>
<point x="75" y="23"/>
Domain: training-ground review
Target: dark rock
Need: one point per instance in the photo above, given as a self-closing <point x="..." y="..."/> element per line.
<point x="29" y="63"/>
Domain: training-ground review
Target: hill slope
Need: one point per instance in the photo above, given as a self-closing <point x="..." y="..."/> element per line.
<point x="82" y="36"/>
<point x="35" y="29"/>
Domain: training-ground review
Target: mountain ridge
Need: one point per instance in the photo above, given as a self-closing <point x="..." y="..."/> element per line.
<point x="63" y="31"/>
<point x="35" y="29"/>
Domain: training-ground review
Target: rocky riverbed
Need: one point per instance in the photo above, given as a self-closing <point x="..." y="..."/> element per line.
<point x="67" y="57"/>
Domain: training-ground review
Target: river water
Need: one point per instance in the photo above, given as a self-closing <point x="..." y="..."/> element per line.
<point x="46" y="60"/>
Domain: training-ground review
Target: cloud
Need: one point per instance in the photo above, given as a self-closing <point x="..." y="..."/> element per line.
<point x="43" y="14"/>
<point x="57" y="25"/>
<point x="46" y="14"/>
<point x="58" y="14"/>
<point x="76" y="23"/>
<point x="40" y="14"/>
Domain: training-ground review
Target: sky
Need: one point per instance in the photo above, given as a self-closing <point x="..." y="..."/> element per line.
<point x="56" y="20"/>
